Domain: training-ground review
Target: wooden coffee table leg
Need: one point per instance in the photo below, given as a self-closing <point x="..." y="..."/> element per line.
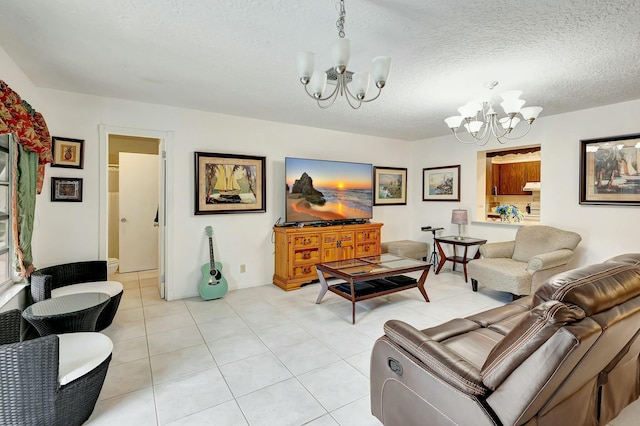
<point x="323" y="285"/>
<point x="353" y="312"/>
<point x="421" y="281"/>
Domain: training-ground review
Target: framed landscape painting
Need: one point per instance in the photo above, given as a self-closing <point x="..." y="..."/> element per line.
<point x="441" y="183"/>
<point x="390" y="186"/>
<point x="228" y="183"/>
<point x="610" y="170"/>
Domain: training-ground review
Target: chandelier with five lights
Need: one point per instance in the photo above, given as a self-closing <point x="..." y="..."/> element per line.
<point x="353" y="86"/>
<point x="481" y="120"/>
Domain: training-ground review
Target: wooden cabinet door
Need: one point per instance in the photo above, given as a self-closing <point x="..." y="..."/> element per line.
<point x="532" y="171"/>
<point x="495" y="179"/>
<point x="330" y="246"/>
<point x="512" y="179"/>
<point x="346" y="245"/>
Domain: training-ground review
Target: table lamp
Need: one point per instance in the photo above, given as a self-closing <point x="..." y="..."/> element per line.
<point x="459" y="217"/>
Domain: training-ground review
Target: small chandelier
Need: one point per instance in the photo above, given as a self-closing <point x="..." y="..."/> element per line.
<point x="315" y="82"/>
<point x="481" y="127"/>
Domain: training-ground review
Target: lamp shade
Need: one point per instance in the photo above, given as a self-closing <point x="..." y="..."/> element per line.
<point x="318" y="83"/>
<point x="361" y="82"/>
<point x="454" y="121"/>
<point x="341" y="52"/>
<point x="305" y="62"/>
<point x="459" y="217"/>
<point x="381" y="68"/>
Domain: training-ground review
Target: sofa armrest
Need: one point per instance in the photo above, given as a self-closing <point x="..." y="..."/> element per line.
<point x="501" y="249"/>
<point x="549" y="260"/>
<point x="437" y="358"/>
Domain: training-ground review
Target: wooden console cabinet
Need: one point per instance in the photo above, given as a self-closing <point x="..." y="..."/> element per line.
<point x="299" y="249"/>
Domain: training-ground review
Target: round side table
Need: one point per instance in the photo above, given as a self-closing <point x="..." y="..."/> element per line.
<point x="66" y="314"/>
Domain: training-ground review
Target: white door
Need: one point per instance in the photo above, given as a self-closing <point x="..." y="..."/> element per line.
<point x="138" y="186"/>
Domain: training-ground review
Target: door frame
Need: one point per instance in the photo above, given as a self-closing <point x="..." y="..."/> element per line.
<point x="165" y="197"/>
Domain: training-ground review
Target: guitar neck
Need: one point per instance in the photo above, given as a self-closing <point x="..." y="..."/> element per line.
<point x="212" y="259"/>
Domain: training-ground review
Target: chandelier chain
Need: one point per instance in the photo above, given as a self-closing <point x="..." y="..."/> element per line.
<point x="340" y="21"/>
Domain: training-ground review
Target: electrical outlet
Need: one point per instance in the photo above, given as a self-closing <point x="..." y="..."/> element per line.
<point x="243" y="268"/>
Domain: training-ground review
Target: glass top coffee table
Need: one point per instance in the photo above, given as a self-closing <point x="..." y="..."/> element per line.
<point x="66" y="314"/>
<point x="369" y="277"/>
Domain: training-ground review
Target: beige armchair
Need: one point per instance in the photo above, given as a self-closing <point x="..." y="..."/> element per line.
<point x="519" y="267"/>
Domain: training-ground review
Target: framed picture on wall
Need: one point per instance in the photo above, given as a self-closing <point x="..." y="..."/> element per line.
<point x="67" y="152"/>
<point x="66" y="189"/>
<point x="228" y="183"/>
<point x="390" y="184"/>
<point x="610" y="170"/>
<point x="441" y="183"/>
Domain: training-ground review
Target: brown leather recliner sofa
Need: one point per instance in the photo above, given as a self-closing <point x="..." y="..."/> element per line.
<point x="566" y="355"/>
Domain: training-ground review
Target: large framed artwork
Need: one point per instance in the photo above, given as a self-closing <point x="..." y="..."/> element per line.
<point x="67" y="152"/>
<point x="441" y="183"/>
<point x="610" y="170"/>
<point x="228" y="183"/>
<point x="390" y="184"/>
<point x="66" y="189"/>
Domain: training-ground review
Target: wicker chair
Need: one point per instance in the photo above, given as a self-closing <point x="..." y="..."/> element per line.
<point x="42" y="379"/>
<point x="54" y="280"/>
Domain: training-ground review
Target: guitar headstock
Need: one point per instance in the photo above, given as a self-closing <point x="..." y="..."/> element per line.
<point x="209" y="231"/>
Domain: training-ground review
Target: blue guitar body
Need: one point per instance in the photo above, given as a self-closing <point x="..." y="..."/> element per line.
<point x="213" y="284"/>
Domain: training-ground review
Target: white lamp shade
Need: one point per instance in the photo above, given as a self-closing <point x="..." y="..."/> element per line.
<point x="459" y="217"/>
<point x="318" y="82"/>
<point x="509" y="123"/>
<point x="361" y="82"/>
<point x="305" y="63"/>
<point x="381" y="68"/>
<point x="531" y="112"/>
<point x="511" y="95"/>
<point x="470" y="109"/>
<point x="454" y="121"/>
<point x="512" y="105"/>
<point x="474" y="126"/>
<point x="341" y="52"/>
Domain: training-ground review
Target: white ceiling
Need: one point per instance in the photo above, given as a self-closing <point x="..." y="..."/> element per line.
<point x="238" y="56"/>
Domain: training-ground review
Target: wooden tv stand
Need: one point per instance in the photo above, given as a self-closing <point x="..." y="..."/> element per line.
<point x="298" y="250"/>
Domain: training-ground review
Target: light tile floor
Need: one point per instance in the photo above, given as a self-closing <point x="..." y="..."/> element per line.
<point x="261" y="356"/>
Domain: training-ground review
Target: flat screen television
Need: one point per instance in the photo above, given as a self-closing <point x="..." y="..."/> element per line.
<point x="324" y="191"/>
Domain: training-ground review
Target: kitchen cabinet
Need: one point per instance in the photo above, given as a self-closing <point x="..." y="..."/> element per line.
<point x="510" y="178"/>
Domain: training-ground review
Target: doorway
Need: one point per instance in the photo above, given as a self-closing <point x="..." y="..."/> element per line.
<point x="133" y="217"/>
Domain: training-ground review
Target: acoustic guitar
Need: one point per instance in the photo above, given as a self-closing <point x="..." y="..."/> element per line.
<point x="213" y="285"/>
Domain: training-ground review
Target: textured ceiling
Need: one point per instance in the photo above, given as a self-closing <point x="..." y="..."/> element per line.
<point x="238" y="56"/>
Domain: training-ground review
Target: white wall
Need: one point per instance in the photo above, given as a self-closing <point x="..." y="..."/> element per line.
<point x="605" y="230"/>
<point x="69" y="231"/>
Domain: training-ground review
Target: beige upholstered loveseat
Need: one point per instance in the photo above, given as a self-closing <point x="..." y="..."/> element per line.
<point x="567" y="355"/>
<point x="520" y="266"/>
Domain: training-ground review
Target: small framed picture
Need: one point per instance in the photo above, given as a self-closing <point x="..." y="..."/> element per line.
<point x="390" y="185"/>
<point x="66" y="189"/>
<point x="441" y="183"/>
<point x="67" y="152"/>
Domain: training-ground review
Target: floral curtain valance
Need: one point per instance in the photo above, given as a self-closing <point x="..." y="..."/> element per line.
<point x="29" y="127"/>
